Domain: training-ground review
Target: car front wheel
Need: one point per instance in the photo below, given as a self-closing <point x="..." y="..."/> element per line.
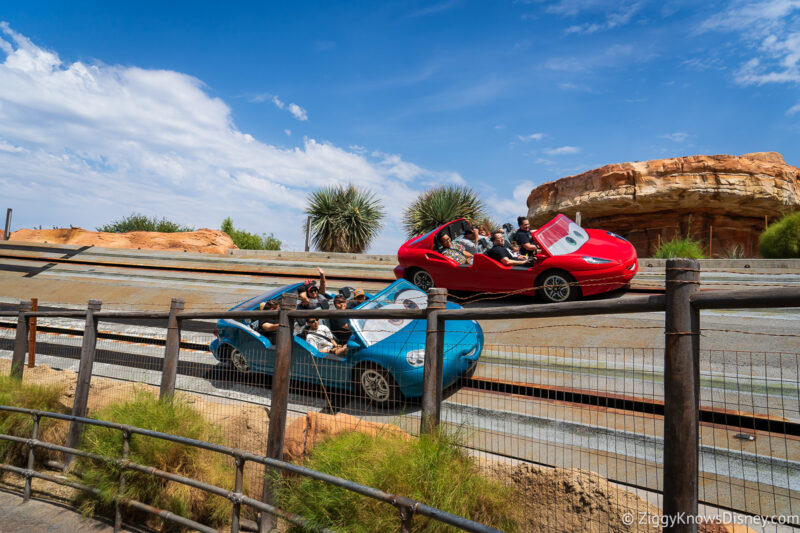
<point x="422" y="279"/>
<point x="556" y="286"/>
<point x="377" y="385"/>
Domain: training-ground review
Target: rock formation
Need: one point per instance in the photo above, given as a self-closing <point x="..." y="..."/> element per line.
<point x="202" y="240"/>
<point x="722" y="201"/>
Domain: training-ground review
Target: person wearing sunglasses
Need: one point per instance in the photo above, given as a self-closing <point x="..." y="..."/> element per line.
<point x="320" y="337"/>
<point x="313" y="297"/>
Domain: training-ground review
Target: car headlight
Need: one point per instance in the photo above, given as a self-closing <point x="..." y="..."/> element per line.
<point x="595" y="260"/>
<point x="471" y="352"/>
<point x="416" y="357"/>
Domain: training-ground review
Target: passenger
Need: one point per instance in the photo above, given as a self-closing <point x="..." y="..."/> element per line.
<point x="359" y="297"/>
<point x="500" y="253"/>
<point x="340" y="327"/>
<point x="515" y="251"/>
<point x="524" y="238"/>
<point x="264" y="326"/>
<point x="472" y="241"/>
<point x="321" y="338"/>
<point x="453" y="250"/>
<point x="313" y="297"/>
<point x="484" y="232"/>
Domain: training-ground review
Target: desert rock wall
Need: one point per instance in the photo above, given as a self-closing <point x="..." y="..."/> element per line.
<point x="720" y="200"/>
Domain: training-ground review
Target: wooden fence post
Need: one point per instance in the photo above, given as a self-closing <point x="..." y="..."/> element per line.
<point x="32" y="334"/>
<point x="279" y="404"/>
<point x="20" y="341"/>
<point x="681" y="394"/>
<point x="434" y="361"/>
<point x="172" y="349"/>
<point x="84" y="377"/>
<point x="7" y="232"/>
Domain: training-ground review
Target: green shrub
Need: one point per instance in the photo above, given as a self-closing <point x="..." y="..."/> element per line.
<point x="781" y="239"/>
<point x="680" y="247"/>
<point x="29" y="396"/>
<point x="172" y="416"/>
<point x="431" y="469"/>
<point x="137" y="222"/>
<point x="250" y="241"/>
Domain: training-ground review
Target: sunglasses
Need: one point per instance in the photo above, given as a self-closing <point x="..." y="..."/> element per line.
<point x="312" y="321"/>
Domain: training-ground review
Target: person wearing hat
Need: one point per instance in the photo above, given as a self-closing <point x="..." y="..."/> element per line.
<point x="472" y="241"/>
<point x="264" y="326"/>
<point x="311" y="296"/>
<point x="359" y="297"/>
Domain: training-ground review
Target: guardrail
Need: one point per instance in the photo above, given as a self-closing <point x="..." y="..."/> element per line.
<point x="681" y="305"/>
<point x="406" y="507"/>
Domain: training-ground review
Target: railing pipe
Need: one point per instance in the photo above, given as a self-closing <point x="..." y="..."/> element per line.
<point x="32" y="334"/>
<point x="681" y="394"/>
<point x="20" y="341"/>
<point x="237" y="489"/>
<point x="82" y="387"/>
<point x="31" y="456"/>
<point x="432" y="371"/>
<point x="172" y="349"/>
<point x="279" y="405"/>
<point x="126" y="447"/>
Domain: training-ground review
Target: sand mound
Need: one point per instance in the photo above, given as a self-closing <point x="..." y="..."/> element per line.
<point x="202" y="240"/>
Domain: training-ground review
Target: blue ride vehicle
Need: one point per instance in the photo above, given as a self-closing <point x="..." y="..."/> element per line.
<point x="385" y="358"/>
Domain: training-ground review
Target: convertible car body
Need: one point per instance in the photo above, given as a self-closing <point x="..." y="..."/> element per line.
<point x="573" y="262"/>
<point x="384" y="361"/>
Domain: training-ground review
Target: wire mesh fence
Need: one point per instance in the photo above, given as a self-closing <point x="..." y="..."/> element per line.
<point x="589" y="418"/>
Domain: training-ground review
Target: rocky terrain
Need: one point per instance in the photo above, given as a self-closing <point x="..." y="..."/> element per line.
<point x="202" y="240"/>
<point x="721" y="200"/>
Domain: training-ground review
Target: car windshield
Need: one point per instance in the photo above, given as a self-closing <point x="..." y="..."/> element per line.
<point x="400" y="295"/>
<point x="421" y="237"/>
<point x="562" y="236"/>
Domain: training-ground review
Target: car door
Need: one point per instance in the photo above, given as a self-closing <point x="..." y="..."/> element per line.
<point x="312" y="366"/>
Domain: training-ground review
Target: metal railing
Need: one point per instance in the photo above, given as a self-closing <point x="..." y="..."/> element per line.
<point x="406" y="507"/>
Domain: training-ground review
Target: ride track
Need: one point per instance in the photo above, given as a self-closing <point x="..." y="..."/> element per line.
<point x="563" y="395"/>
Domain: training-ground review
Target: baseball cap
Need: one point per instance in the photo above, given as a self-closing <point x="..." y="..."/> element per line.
<point x="358" y="292"/>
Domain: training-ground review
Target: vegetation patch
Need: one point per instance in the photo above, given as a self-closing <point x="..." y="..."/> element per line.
<point x="30" y="396"/>
<point x="440" y="205"/>
<point x="680" y="247"/>
<point x="781" y="239"/>
<point x="173" y="416"/>
<point x="250" y="241"/>
<point x="344" y="218"/>
<point x="430" y="469"/>
<point x="137" y="222"/>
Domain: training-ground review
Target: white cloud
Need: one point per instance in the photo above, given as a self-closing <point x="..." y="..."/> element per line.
<point x="562" y="150"/>
<point x="614" y="56"/>
<point x="288" y="132"/>
<point x="85" y="144"/>
<point x="619" y="16"/>
<point x="794" y="109"/>
<point x="678" y="136"/>
<point x="770" y="29"/>
<point x="531" y="137"/>
<point x="297" y="112"/>
<point x="508" y="209"/>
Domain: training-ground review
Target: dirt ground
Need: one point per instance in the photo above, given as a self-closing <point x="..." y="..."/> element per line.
<point x="555" y="500"/>
<point x="202" y="240"/>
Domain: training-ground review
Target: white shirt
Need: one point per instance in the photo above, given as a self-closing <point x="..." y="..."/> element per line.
<point x="321" y="338"/>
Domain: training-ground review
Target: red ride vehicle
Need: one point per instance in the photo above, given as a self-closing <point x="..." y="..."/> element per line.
<point x="573" y="262"/>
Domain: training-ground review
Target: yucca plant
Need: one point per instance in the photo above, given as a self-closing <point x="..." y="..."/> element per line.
<point x="344" y="218"/>
<point x="440" y="205"/>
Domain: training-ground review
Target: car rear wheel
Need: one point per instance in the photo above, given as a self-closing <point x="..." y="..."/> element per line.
<point x="555" y="286"/>
<point x="238" y="361"/>
<point x="377" y="385"/>
<point x="422" y="279"/>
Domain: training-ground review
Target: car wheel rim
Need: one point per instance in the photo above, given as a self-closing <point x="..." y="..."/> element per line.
<point x="239" y="362"/>
<point x="556" y="288"/>
<point x="423" y="280"/>
<point x="375" y="385"/>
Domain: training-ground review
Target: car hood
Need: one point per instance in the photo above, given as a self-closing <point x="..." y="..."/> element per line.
<point x="603" y="245"/>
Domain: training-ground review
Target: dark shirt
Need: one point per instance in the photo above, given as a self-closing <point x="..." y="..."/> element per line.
<point x="523" y="237"/>
<point x="353" y="303"/>
<point x="272" y="336"/>
<point x="498" y="252"/>
<point x="339" y="330"/>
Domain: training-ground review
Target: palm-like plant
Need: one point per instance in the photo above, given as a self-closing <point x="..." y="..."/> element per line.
<point x="344" y="218"/>
<point x="440" y="205"/>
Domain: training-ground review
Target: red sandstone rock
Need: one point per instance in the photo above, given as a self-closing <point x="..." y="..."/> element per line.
<point x="721" y="200"/>
<point x="202" y="240"/>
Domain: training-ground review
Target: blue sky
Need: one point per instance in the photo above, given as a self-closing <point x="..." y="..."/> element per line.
<point x="201" y="110"/>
